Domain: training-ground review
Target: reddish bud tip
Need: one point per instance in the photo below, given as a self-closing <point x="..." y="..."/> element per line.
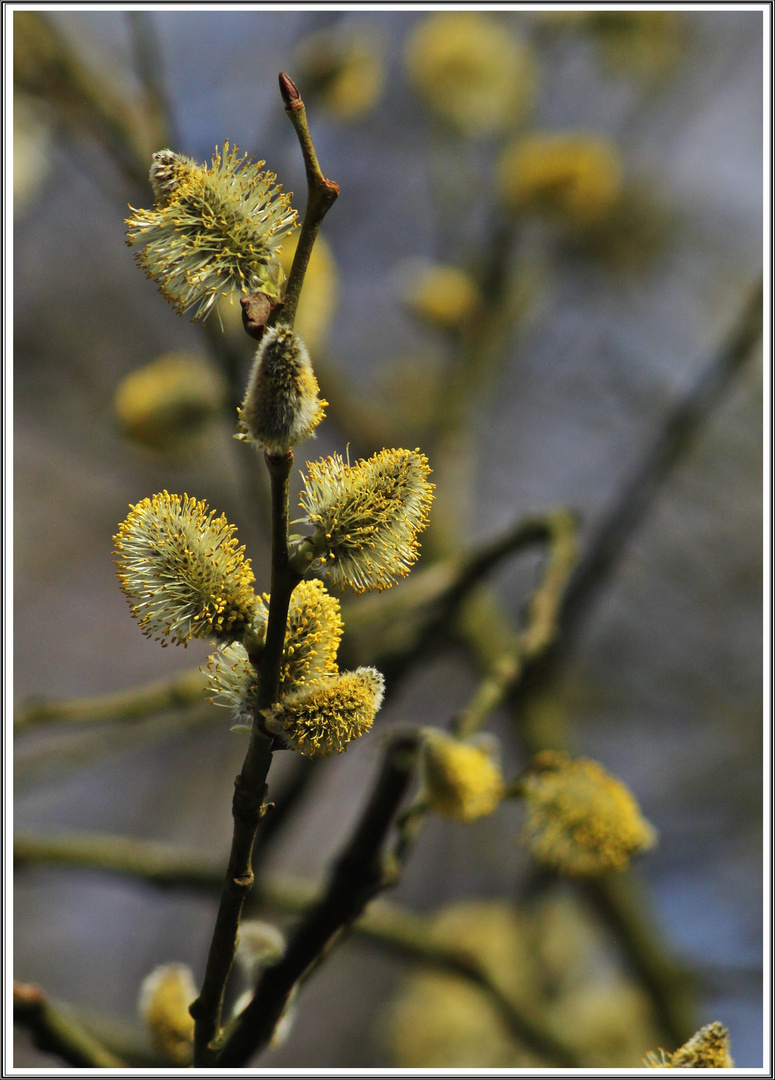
<point x="288" y="89"/>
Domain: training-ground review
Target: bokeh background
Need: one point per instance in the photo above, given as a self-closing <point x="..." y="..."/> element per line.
<point x="615" y="314"/>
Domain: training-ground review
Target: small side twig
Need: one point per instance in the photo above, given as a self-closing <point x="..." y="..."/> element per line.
<point x="127" y="706"/>
<point x="321" y="196"/>
<point x="358" y="875"/>
<point x="542" y="627"/>
<point x="385" y="923"/>
<point x="53" y="1032"/>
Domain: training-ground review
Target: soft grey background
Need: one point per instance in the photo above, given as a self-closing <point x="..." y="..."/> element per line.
<point x="665" y="687"/>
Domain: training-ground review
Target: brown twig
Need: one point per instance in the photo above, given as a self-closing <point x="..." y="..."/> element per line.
<point x="54" y="1032"/>
<point x="321" y="196"/>
<point x="385" y="923"/>
<point x="357" y="876"/>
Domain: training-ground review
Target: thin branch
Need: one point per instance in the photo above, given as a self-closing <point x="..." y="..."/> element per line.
<point x="619" y="900"/>
<point x="148" y="860"/>
<point x="54" y="1032"/>
<point x="541" y="630"/>
<point x="358" y="875"/>
<point x="605" y="550"/>
<point x="126" y="706"/>
<point x="385" y="923"/>
<point x="321" y="196"/>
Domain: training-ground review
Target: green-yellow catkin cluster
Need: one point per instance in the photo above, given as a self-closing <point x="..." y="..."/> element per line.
<point x="312" y="636"/>
<point x="165" y="996"/>
<point x="572" y="177"/>
<point x="322" y="718"/>
<point x="343" y="70"/>
<point x="367" y="516"/>
<point x="708" y="1048"/>
<point x="462" y="781"/>
<point x="281" y="406"/>
<point x="581" y="821"/>
<point x="470" y="72"/>
<point x="164" y="404"/>
<point x="182" y="572"/>
<point x="213" y="231"/>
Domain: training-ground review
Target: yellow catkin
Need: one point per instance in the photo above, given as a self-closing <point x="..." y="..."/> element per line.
<point x="165" y="996"/>
<point x="343" y="70"/>
<point x="312" y="637"/>
<point x="581" y="820"/>
<point x="182" y="572"/>
<point x="574" y="177"/>
<point x="322" y="718"/>
<point x="213" y="231"/>
<point x="367" y="516"/>
<point x="442" y="295"/>
<point x="470" y="71"/>
<point x="634" y="44"/>
<point x="313" y="633"/>
<point x="708" y="1048"/>
<point x="462" y="781"/>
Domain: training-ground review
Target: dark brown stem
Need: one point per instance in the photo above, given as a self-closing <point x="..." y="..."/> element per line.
<point x="321" y="196"/>
<point x="358" y="875"/>
<point x="250" y="786"/>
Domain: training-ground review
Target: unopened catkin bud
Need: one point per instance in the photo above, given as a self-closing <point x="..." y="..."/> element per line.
<point x="168" y="171"/>
<point x="165" y="996"/>
<point x="281" y="406"/>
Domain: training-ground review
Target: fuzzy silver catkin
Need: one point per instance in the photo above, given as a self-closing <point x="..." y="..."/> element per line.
<point x="281" y="406"/>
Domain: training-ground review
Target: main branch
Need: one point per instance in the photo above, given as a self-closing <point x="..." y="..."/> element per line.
<point x="250" y="786"/>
